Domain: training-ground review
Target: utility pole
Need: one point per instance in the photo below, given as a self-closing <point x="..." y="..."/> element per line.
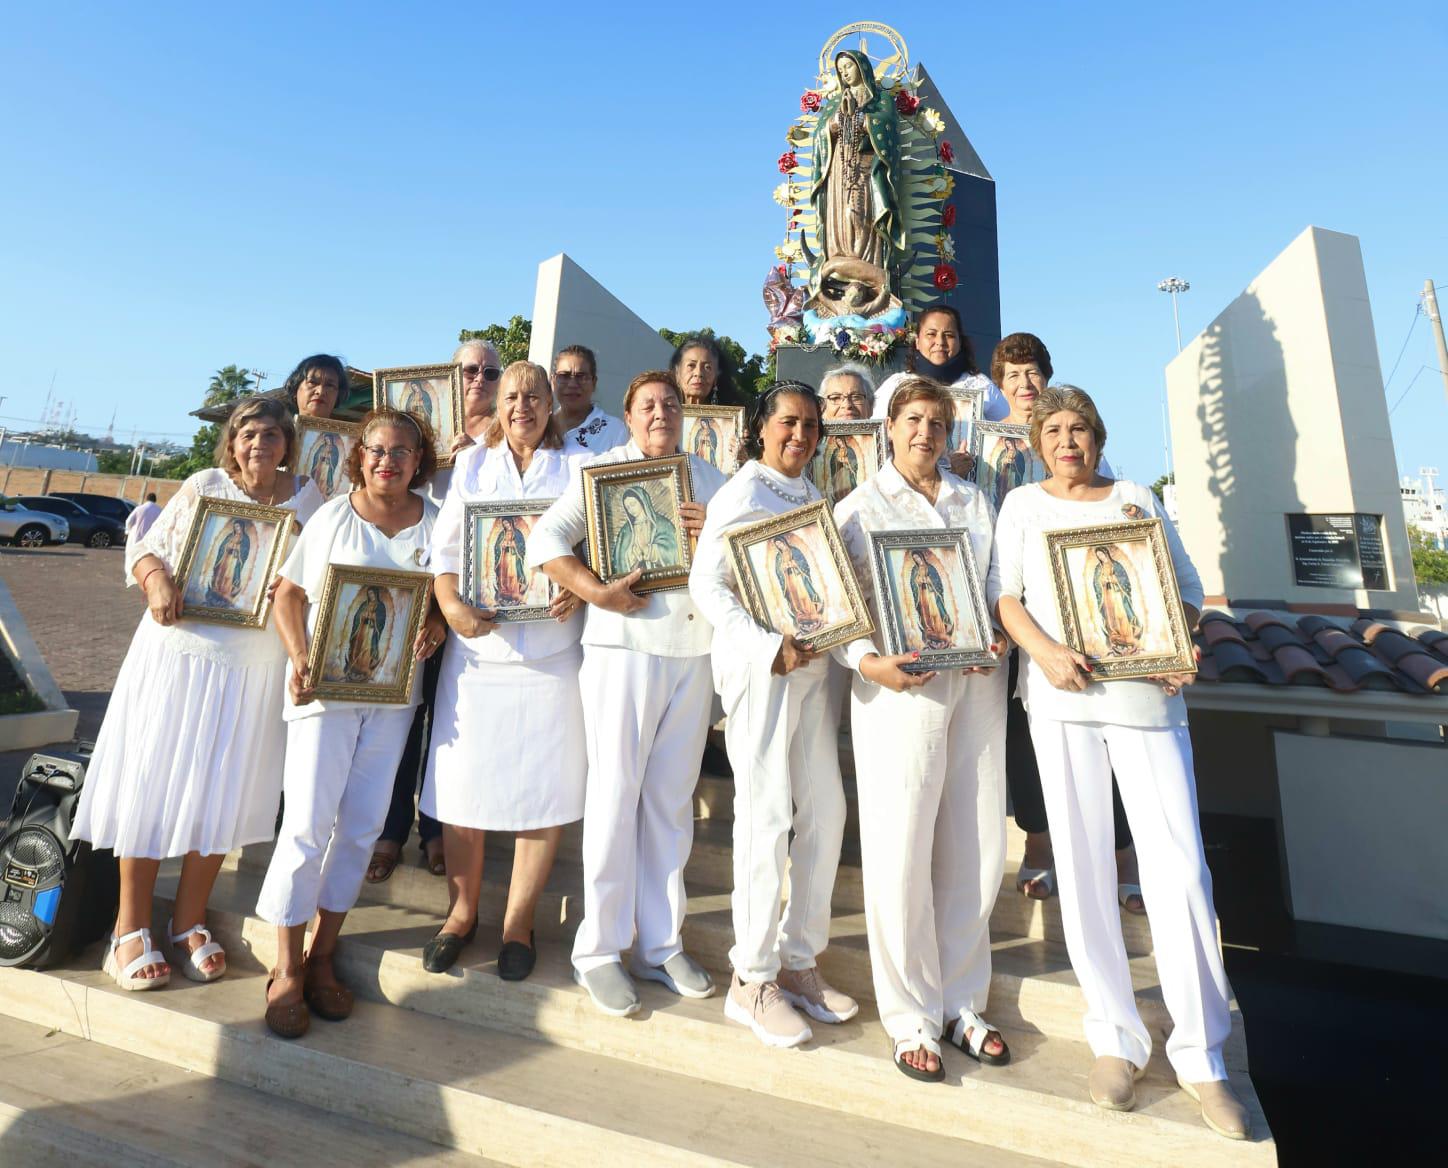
<point x="1435" y="318"/>
<point x="1175" y="287"/>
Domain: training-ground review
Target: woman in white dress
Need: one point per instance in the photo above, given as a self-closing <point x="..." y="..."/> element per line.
<point x="1083" y="731"/>
<point x="188" y="759"/>
<point x="783" y="749"/>
<point x="507" y="750"/>
<point x="647" y="694"/>
<point x="929" y="769"/>
<point x="341" y="755"/>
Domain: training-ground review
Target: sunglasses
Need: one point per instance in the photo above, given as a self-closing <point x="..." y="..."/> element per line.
<point x="489" y="372"/>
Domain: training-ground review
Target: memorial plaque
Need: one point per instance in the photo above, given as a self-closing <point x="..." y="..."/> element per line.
<point x="1338" y="551"/>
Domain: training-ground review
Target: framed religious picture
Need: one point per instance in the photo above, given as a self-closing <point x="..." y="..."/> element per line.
<point x="432" y="392"/>
<point x="795" y="577"/>
<point x="495" y="549"/>
<point x="930" y="597"/>
<point x="713" y="433"/>
<point x="232" y="553"/>
<point x="324" y="445"/>
<point x="634" y="521"/>
<point x="367" y="624"/>
<point x="1004" y="459"/>
<point x="849" y="454"/>
<point x="969" y="405"/>
<point x="1118" y="599"/>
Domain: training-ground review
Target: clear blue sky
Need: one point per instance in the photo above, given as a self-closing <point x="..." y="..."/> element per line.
<point x="186" y="187"/>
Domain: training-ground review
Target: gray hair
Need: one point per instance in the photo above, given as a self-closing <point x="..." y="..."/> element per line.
<point x="477" y="343"/>
<point x="852" y="369"/>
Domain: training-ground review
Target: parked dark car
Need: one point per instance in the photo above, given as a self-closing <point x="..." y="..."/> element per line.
<point x="107" y="505"/>
<point x="97" y="531"/>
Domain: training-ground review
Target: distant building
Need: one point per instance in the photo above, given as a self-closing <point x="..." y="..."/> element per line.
<point x="1423" y="508"/>
<point x="25" y="452"/>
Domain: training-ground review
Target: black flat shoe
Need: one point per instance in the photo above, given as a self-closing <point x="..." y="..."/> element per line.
<point x="516" y="960"/>
<point x="439" y="954"/>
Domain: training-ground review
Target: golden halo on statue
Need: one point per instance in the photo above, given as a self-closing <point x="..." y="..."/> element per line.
<point x="887" y="68"/>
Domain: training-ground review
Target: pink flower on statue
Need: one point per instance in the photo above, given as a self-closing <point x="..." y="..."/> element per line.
<point x="787" y="162"/>
<point x="945" y="277"/>
<point x="906" y="103"/>
<point x="809" y="102"/>
<point x="947" y="152"/>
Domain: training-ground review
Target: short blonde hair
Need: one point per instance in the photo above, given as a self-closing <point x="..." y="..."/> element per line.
<point x="247" y="409"/>
<point x="1056" y="398"/>
<point x="912" y="388"/>
<point x="528" y="376"/>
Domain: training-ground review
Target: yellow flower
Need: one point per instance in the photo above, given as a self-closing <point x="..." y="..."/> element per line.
<point x="797" y="135"/>
<point x="784" y="194"/>
<point x="933" y="121"/>
<point x="789" y="251"/>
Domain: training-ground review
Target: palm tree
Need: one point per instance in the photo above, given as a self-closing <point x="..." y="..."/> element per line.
<point x="227" y="385"/>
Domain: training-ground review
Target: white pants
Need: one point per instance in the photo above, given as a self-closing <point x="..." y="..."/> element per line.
<point x="930" y="776"/>
<point x="337" y="784"/>
<point x="1158" y="791"/>
<point x="785" y="755"/>
<point x="645" y="718"/>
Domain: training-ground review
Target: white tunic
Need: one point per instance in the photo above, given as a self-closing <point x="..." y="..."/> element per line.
<point x="189" y="757"/>
<point x="994" y="407"/>
<point x="671" y="624"/>
<point x="597" y="433"/>
<point x="507" y="750"/>
<point x="338" y="535"/>
<point x="1021" y="568"/>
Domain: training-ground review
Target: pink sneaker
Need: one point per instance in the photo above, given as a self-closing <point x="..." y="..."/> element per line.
<point x="761" y="1007"/>
<point x="809" y="991"/>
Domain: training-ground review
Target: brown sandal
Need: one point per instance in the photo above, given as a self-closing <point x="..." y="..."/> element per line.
<point x="333" y="1002"/>
<point x="287" y="1019"/>
<point x="380" y="866"/>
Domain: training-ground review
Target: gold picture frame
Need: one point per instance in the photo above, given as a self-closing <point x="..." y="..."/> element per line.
<point x="649" y="534"/>
<point x="359" y="634"/>
<point x="851" y="452"/>
<point x="494" y="577"/>
<point x="1003" y="459"/>
<point x="931" y="599"/>
<point x="794" y="576"/>
<point x="232" y="553"/>
<point x="1123" y="609"/>
<point x="713" y="433"/>
<point x="434" y="392"/>
<point x="323" y="445"/>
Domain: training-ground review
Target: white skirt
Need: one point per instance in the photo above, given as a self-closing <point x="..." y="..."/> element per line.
<point x="189" y="756"/>
<point x="507" y="751"/>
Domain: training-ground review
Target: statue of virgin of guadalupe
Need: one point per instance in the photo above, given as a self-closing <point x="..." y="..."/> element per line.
<point x="857" y="169"/>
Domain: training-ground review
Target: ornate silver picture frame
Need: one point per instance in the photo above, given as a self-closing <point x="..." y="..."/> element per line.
<point x="931" y="600"/>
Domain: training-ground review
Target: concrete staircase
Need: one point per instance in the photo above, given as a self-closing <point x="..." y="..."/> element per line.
<point x="467" y="1068"/>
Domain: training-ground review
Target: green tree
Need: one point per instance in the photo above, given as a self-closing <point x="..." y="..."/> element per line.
<point x="511" y="339"/>
<point x="1156" y="487"/>
<point x="747" y="372"/>
<point x="1430" y="563"/>
<point x="117" y="461"/>
<point x="227" y="385"/>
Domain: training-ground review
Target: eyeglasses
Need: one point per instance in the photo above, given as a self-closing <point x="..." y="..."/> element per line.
<point x="489" y="372"/>
<point x="854" y="399"/>
<point x="396" y="453"/>
<point x="572" y="375"/>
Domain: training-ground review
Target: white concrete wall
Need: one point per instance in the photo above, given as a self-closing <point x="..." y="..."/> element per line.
<point x="570" y="307"/>
<point x="1278" y="407"/>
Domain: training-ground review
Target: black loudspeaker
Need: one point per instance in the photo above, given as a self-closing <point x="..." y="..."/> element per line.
<point x="56" y="894"/>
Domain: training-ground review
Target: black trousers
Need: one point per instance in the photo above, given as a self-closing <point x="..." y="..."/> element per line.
<point x="413" y="767"/>
<point x="1024" y="780"/>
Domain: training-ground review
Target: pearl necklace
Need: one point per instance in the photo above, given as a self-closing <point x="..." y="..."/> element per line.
<point x="788" y="498"/>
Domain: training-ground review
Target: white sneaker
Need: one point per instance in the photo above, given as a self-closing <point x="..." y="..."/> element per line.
<point x="680" y="973"/>
<point x="761" y="1007"/>
<point x="610" y="988"/>
<point x="809" y="991"/>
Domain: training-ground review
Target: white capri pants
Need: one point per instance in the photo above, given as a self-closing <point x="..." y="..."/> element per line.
<point x="645" y="718"/>
<point x="930" y="778"/>
<point x="1158" y="791"/>
<point x="337" y="783"/>
<point x="785" y="755"/>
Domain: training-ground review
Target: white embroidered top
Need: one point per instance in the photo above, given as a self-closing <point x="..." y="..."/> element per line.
<point x="597" y="433"/>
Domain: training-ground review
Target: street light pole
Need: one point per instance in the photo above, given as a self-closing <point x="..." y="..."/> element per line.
<point x="1175" y="287"/>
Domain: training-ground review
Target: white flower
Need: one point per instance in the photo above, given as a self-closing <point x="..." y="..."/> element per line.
<point x="934" y="123"/>
<point x="789" y="251"/>
<point x="784" y="194"/>
<point x="947" y="246"/>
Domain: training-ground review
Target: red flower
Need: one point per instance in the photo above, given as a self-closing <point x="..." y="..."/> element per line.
<point x="947" y="152"/>
<point x="787" y="162"/>
<point x="947" y="216"/>
<point x="945" y="277"/>
<point x="906" y="103"/>
<point x="809" y="101"/>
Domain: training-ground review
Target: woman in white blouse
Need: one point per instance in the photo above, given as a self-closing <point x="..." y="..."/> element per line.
<point x="647" y="694"/>
<point x="1082" y="731"/>
<point x="341" y="755"/>
<point x="507" y="749"/>
<point x="783" y="749"/>
<point x="929" y="770"/>
<point x="188" y="760"/>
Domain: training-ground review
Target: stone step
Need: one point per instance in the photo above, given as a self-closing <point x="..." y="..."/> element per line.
<point x="487" y="1091"/>
<point x="67" y="1102"/>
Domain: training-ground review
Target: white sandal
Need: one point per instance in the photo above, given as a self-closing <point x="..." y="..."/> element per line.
<point x="190" y="960"/>
<point x="970" y="1032"/>
<point x="1045" y="876"/>
<point x="126" y="978"/>
<point x="1125" y="892"/>
<point x="904" y="1046"/>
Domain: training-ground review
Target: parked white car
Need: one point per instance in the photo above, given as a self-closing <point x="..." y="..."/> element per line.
<point x="30" y="529"/>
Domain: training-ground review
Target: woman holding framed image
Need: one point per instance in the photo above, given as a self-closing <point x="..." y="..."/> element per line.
<point x="781" y="744"/>
<point x="647" y="694"/>
<point x="1083" y="729"/>
<point x="188" y="761"/>
<point x="929" y="753"/>
<point x="342" y="755"/>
